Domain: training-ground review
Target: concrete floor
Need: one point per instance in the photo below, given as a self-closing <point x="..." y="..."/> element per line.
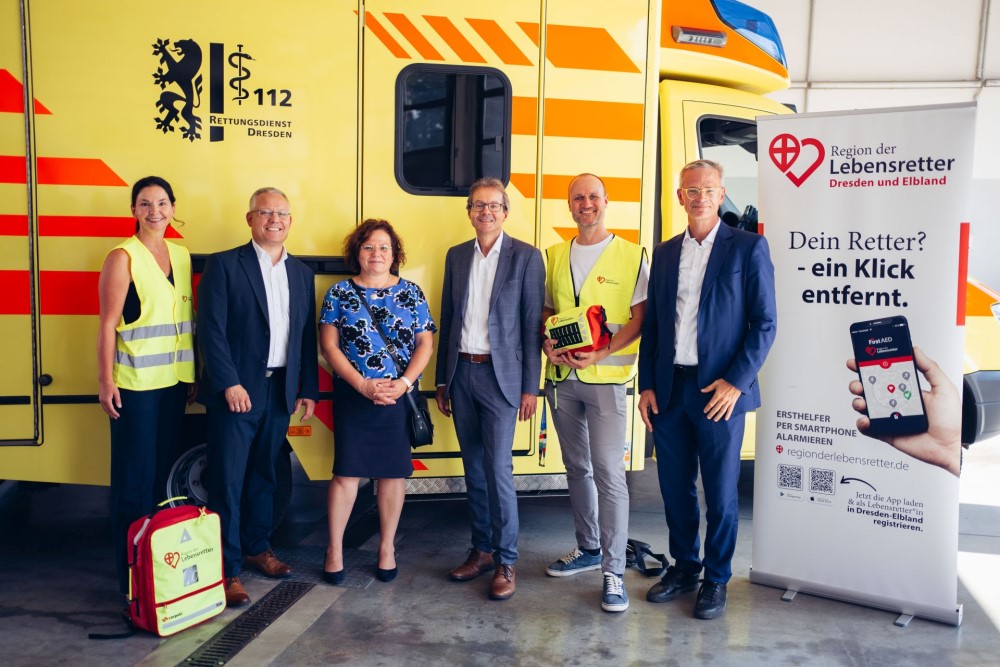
<point x="57" y="585"/>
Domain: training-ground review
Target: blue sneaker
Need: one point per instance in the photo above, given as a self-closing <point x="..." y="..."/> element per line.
<point x="573" y="562"/>
<point x="615" y="598"/>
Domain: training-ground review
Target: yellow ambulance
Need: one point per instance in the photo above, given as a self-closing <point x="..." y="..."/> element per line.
<point x="384" y="108"/>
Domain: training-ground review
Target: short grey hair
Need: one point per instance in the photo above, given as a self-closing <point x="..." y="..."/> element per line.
<point x="264" y="191"/>
<point x="700" y="164"/>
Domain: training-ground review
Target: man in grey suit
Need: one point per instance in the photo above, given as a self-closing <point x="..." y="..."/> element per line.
<point x="488" y="366"/>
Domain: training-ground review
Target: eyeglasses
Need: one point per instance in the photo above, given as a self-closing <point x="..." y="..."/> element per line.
<point x="493" y="206"/>
<point x="695" y="193"/>
<point x="373" y="248"/>
<point x="267" y="213"/>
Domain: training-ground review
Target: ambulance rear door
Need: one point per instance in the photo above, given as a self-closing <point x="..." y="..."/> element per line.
<point x="19" y="416"/>
<point x="449" y="97"/>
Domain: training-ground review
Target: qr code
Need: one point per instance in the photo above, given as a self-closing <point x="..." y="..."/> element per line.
<point x="821" y="481"/>
<point x="790" y="477"/>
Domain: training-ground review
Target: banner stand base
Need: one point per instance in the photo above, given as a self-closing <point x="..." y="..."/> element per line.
<point x="906" y="610"/>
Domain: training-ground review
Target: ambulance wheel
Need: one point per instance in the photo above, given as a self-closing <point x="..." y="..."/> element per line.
<point x="188" y="478"/>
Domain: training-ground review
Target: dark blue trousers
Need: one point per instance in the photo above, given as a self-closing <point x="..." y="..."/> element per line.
<point x="144" y="442"/>
<point x="242" y="448"/>
<point x="685" y="439"/>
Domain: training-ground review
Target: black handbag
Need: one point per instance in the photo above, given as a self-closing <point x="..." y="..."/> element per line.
<point x="421" y="426"/>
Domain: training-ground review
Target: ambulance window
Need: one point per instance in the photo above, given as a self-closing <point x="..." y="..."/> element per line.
<point x="452" y="127"/>
<point x="733" y="143"/>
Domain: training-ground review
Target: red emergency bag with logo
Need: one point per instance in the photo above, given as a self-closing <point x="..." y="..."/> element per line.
<point x="175" y="569"/>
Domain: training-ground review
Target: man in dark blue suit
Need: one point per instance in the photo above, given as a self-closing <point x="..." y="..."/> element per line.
<point x="488" y="365"/>
<point x="257" y="333"/>
<point x="710" y="322"/>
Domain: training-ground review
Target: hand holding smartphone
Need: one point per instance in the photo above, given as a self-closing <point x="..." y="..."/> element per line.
<point x="883" y="351"/>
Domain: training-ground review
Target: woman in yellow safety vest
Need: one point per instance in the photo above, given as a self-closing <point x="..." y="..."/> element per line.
<point x="145" y="358"/>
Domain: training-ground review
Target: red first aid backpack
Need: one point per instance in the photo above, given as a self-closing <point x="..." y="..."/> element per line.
<point x="175" y="569"/>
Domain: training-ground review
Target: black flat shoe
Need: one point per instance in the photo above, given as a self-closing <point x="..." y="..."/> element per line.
<point x="333" y="578"/>
<point x="711" y="601"/>
<point x="386" y="575"/>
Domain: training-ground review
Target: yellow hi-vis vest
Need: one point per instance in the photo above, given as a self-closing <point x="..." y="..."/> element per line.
<point x="611" y="283"/>
<point x="157" y="350"/>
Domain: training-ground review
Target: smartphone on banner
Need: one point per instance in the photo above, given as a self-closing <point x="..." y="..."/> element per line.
<point x="884" y="353"/>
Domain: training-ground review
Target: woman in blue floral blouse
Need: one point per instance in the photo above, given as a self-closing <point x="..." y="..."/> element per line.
<point x="371" y="434"/>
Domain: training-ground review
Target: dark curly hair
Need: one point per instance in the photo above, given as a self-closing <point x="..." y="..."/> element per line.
<point x="361" y="233"/>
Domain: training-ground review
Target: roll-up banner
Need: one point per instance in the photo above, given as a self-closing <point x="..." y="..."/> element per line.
<point x="858" y="434"/>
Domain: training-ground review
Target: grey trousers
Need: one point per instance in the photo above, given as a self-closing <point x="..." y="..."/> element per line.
<point x="484" y="423"/>
<point x="590" y="420"/>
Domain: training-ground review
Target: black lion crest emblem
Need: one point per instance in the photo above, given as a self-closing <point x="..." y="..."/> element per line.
<point x="181" y="64"/>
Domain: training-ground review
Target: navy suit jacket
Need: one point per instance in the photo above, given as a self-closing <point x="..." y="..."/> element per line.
<point x="736" y="316"/>
<point x="234" y="332"/>
<point x="515" y="319"/>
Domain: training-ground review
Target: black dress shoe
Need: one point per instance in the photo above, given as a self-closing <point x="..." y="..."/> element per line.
<point x="673" y="583"/>
<point x="386" y="575"/>
<point x="334" y="578"/>
<point x="711" y="600"/>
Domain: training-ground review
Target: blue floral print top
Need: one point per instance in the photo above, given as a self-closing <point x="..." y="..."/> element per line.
<point x="402" y="311"/>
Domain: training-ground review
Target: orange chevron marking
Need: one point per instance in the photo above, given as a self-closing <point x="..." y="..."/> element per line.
<point x="59" y="171"/>
<point x="76" y="226"/>
<point x="556" y="186"/>
<point x="12" y="95"/>
<point x="414" y="36"/>
<point x="98" y="226"/>
<point x="498" y="40"/>
<point x="15" y="293"/>
<point x="579" y="118"/>
<point x="523" y="115"/>
<point x="13" y="169"/>
<point x="324" y="408"/>
<point x="383" y="36"/>
<point x="581" y="47"/>
<point x="75" y="171"/>
<point x="595" y="120"/>
<point x="13" y="225"/>
<point x="69" y="292"/>
<point x="455" y="39"/>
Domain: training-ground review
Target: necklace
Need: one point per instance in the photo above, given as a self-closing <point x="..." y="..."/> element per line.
<point x="387" y="283"/>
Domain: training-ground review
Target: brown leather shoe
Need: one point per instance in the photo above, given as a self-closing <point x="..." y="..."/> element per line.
<point x="269" y="565"/>
<point x="478" y="562"/>
<point x="236" y="596"/>
<point x="504" y="583"/>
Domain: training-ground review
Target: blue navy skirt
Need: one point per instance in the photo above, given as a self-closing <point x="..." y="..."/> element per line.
<point x="371" y="441"/>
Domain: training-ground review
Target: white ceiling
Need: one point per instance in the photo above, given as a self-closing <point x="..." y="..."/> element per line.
<point x="851" y="54"/>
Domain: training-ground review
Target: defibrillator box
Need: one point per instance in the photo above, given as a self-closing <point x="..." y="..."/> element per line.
<point x="580" y="329"/>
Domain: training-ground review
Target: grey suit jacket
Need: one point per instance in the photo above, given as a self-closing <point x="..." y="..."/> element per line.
<point x="515" y="319"/>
